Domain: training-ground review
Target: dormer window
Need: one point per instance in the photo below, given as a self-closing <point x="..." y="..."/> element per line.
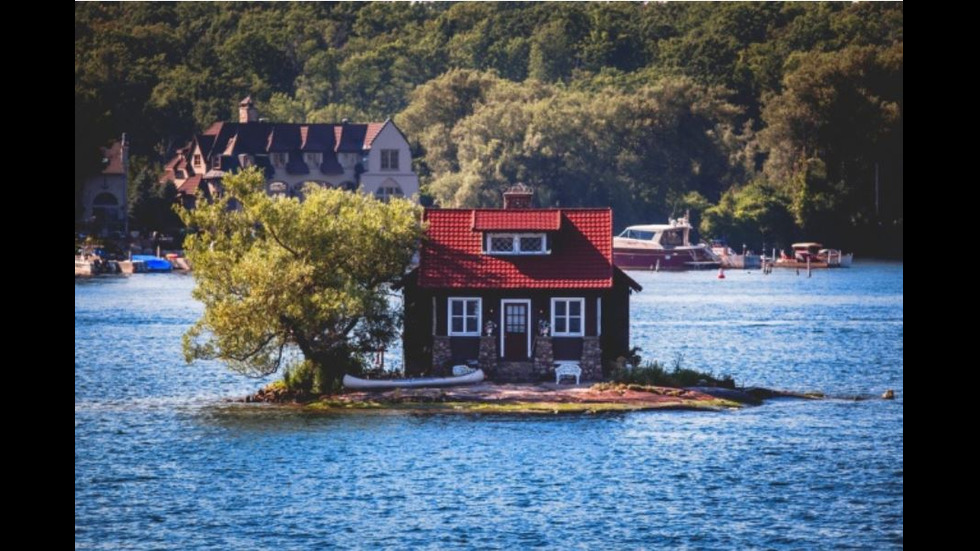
<point x="515" y="243"/>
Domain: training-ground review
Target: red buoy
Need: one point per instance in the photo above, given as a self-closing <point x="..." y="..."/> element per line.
<point x="721" y="273"/>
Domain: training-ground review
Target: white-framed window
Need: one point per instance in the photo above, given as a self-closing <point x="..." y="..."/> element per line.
<point x="197" y="159"/>
<point x="568" y="317"/>
<point x="515" y="243"/>
<point x="279" y="159"/>
<point x="389" y="159"/>
<point x="598" y="316"/>
<point x="464" y="316"/>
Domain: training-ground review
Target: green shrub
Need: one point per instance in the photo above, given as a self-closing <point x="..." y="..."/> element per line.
<point x="655" y="374"/>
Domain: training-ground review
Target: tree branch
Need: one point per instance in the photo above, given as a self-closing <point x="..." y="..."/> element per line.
<point x="279" y="241"/>
<point x="257" y="349"/>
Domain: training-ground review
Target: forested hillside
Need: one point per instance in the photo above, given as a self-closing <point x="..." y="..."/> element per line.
<point x="770" y="121"/>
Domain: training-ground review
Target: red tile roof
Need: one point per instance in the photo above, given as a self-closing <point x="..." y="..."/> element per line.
<point x="517" y="220"/>
<point x="581" y="252"/>
<point x="373" y="129"/>
<point x="190" y="185"/>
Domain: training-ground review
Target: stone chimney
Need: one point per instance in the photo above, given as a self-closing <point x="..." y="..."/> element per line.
<point x="124" y="152"/>
<point x="518" y="196"/>
<point x="247" y="111"/>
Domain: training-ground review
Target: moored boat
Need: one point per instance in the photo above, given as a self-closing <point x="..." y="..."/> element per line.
<point x="661" y="247"/>
<point x="356" y="383"/>
<point x="814" y="256"/>
<point x="153" y="263"/>
<point x="746" y="260"/>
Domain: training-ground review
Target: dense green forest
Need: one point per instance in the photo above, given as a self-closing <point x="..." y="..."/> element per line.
<point x="770" y="121"/>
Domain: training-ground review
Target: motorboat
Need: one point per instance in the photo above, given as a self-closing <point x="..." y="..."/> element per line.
<point x="815" y="256"/>
<point x="661" y="247"/>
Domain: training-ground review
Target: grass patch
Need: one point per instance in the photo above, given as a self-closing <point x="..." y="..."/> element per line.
<point x="623" y="387"/>
<point x="514" y="408"/>
<point x="654" y="374"/>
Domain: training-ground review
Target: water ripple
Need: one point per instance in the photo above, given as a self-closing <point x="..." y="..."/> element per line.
<point x="161" y="461"/>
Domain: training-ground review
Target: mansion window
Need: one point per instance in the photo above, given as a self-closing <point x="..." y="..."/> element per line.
<point x="464" y="317"/>
<point x="389" y="159"/>
<point x="385" y="193"/>
<point x="197" y="159"/>
<point x="279" y="159"/>
<point x="515" y="243"/>
<point x="568" y="317"/>
<point x="313" y="159"/>
<point x="278" y="189"/>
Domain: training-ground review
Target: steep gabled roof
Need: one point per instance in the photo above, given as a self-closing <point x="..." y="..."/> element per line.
<point x="190" y="185"/>
<point x="263" y="137"/>
<point x="352" y="138"/>
<point x="282" y="137"/>
<point x="317" y="138"/>
<point x="581" y="251"/>
<point x="231" y="139"/>
<point x="373" y="129"/>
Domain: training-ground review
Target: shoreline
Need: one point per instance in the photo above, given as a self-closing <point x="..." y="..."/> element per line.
<point x="524" y="399"/>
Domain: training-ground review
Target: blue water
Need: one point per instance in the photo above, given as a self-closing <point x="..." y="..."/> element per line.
<point x="162" y="462"/>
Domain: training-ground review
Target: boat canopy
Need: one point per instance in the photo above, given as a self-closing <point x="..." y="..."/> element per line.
<point x="649" y="228"/>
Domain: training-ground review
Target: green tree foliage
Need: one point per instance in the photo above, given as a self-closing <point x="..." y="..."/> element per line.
<point x="838" y="121"/>
<point x="640" y="152"/>
<point x="279" y="276"/>
<point x="752" y="215"/>
<point x="150" y="200"/>
<point x="657" y="99"/>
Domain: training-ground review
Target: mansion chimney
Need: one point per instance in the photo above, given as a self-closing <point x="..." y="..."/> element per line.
<point x="518" y="196"/>
<point x="247" y="111"/>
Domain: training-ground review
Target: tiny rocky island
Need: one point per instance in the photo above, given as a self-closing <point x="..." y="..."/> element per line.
<point x="527" y="398"/>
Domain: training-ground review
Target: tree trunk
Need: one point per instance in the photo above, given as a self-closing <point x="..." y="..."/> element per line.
<point x="330" y="367"/>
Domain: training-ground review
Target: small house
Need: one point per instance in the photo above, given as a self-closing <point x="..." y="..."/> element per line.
<point x="515" y="290"/>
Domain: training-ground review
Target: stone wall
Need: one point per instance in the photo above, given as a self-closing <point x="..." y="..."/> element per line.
<point x="442" y="355"/>
<point x="591" y="362"/>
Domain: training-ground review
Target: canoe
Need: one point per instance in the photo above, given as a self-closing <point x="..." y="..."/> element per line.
<point x="357" y="383"/>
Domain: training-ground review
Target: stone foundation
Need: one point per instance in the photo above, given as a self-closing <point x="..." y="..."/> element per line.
<point x="488" y="355"/>
<point x="514" y="372"/>
<point x="544" y="359"/>
<point x="540" y="368"/>
<point x="591" y="362"/>
<point x="442" y="355"/>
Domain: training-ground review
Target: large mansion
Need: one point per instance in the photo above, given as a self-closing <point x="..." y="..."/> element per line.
<point x="373" y="158"/>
